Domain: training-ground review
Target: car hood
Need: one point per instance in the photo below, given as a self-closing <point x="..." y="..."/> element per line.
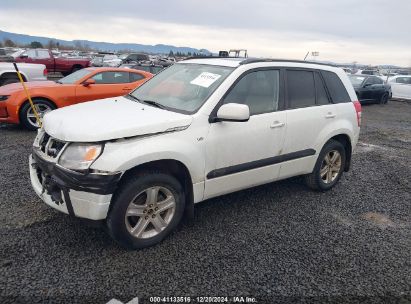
<point x="110" y="118"/>
<point x="13" y="87"/>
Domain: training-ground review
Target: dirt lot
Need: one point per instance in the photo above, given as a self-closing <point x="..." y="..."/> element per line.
<point x="280" y="242"/>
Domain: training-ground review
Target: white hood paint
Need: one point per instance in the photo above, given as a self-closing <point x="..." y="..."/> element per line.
<point x="110" y="118"/>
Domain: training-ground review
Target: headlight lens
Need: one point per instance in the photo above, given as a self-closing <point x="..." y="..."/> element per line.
<point x="4" y="97"/>
<point x="80" y="156"/>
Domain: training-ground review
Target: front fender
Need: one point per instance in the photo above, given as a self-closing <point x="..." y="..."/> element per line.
<point x="125" y="154"/>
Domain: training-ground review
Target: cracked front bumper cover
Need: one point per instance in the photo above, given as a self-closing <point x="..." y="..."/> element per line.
<point x="68" y="179"/>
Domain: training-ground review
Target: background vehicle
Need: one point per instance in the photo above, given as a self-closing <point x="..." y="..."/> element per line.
<point x="199" y="129"/>
<point x="401" y="86"/>
<point x="134" y="57"/>
<point x="29" y="72"/>
<point x="368" y="72"/>
<point x="370" y="88"/>
<point x="53" y="64"/>
<point x="83" y="85"/>
<point x="111" y="61"/>
<point x="151" y="68"/>
<point x="5" y="57"/>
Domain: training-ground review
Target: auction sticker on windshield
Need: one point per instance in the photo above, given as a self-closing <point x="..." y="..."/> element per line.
<point x="205" y="79"/>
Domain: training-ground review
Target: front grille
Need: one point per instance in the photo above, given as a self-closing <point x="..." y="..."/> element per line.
<point x="51" y="146"/>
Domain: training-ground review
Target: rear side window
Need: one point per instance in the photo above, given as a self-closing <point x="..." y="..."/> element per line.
<point x="301" y="89"/>
<point x="135" y="77"/>
<point x="335" y="87"/>
<point x="322" y="98"/>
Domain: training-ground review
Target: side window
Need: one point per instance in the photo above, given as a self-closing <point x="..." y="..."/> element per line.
<point x="378" y="80"/>
<point x="335" y="87"/>
<point x="406" y="80"/>
<point x="322" y="98"/>
<point x="30" y="53"/>
<point x="111" y="77"/>
<point x="300" y="89"/>
<point x="259" y="90"/>
<point x="135" y="77"/>
<point x="43" y="54"/>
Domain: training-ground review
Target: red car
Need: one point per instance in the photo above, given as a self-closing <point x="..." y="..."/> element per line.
<point x="53" y="64"/>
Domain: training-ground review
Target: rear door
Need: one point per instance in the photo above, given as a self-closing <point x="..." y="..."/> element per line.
<point x="309" y="112"/>
<point x="108" y="84"/>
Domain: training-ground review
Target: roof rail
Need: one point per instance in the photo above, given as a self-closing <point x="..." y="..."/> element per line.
<point x="254" y="60"/>
<point x="209" y="57"/>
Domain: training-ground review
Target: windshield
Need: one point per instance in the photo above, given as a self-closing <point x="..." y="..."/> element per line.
<point x="124" y="56"/>
<point x="183" y="87"/>
<point x="356" y="80"/>
<point x="73" y="77"/>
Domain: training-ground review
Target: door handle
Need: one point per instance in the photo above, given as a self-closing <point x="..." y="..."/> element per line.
<point x="126" y="89"/>
<point x="277" y="124"/>
<point x="330" y="115"/>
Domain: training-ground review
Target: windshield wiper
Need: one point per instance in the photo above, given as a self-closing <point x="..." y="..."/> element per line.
<point x="154" y="103"/>
<point x="133" y="97"/>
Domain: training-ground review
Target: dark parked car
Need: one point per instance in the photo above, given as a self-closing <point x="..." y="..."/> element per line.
<point x="151" y="68"/>
<point x="370" y="88"/>
<point x="134" y="57"/>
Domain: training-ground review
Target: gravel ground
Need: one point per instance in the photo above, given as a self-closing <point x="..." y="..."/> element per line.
<point x="279" y="242"/>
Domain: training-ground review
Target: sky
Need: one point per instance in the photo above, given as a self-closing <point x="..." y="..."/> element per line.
<point x="365" y="31"/>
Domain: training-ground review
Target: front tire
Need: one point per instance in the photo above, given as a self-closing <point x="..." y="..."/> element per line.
<point x="27" y="116"/>
<point x="328" y="168"/>
<point x="146" y="209"/>
<point x="384" y="98"/>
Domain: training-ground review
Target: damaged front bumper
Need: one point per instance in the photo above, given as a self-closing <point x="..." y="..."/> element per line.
<point x="85" y="195"/>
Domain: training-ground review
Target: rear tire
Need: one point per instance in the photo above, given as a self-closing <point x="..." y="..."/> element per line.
<point x="145" y="209"/>
<point x="27" y="118"/>
<point x="327" y="171"/>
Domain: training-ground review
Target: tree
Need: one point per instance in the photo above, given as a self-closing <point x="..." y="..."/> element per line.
<point x="171" y="54"/>
<point x="36" y="45"/>
<point x="1" y="44"/>
<point x="9" y="43"/>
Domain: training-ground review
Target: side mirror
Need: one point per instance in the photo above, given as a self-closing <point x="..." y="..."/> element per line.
<point x="89" y="81"/>
<point x="23" y="56"/>
<point x="366" y="85"/>
<point x="233" y="112"/>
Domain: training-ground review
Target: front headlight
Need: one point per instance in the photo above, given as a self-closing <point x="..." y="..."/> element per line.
<point x="80" y="156"/>
<point x="4" y="97"/>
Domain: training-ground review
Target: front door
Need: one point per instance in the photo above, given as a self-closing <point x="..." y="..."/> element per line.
<point x="245" y="154"/>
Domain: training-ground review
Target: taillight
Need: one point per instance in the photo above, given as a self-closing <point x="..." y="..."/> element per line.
<point x="357" y="106"/>
<point x="45" y="72"/>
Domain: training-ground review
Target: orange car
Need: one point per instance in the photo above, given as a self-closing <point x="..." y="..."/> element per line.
<point x="82" y="85"/>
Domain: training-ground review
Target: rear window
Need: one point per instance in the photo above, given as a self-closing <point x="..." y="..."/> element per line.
<point x="301" y="89"/>
<point x="335" y="87"/>
<point x="135" y="77"/>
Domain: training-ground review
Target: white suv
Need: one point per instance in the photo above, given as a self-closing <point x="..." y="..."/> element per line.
<point x="199" y="129"/>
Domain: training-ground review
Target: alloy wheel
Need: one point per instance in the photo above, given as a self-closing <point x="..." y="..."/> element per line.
<point x="330" y="167"/>
<point x="41" y="110"/>
<point x="150" y="212"/>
